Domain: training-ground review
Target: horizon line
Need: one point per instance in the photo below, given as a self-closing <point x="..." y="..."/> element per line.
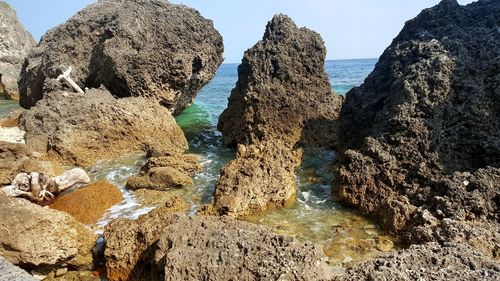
<point x="325" y="60"/>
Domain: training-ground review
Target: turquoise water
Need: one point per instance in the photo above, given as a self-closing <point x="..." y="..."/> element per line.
<point x="7" y="107"/>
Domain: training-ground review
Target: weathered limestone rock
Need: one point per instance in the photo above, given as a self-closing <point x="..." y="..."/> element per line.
<point x="282" y="99"/>
<point x="82" y="129"/>
<point x="427" y="262"/>
<point x="88" y="204"/>
<point x="207" y="248"/>
<point x="31" y="235"/>
<point x="165" y="170"/>
<point x="16" y="43"/>
<point x="129" y="244"/>
<point x="420" y="138"/>
<point x="145" y="48"/>
<point x="155" y="198"/>
<point x="10" y="272"/>
<point x="261" y="178"/>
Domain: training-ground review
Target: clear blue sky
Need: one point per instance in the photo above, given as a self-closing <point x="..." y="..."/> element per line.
<point x="351" y="29"/>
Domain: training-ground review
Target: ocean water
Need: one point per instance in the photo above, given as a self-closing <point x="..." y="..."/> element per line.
<point x="344" y="235"/>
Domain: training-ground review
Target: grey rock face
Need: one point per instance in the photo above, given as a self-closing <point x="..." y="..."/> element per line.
<point x="420" y="139"/>
<point x="10" y="272"/>
<point x="283" y="99"/>
<point x="207" y="248"/>
<point x="133" y="48"/>
<point x="15" y="43"/>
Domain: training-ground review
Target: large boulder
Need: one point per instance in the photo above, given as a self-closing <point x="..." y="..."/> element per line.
<point x="282" y="87"/>
<point x="32" y="236"/>
<point x="81" y="129"/>
<point x="420" y="139"/>
<point x="148" y="48"/>
<point x="207" y="248"/>
<point x="282" y="99"/>
<point x="16" y="42"/>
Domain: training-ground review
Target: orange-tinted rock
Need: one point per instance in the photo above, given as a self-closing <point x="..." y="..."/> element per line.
<point x="89" y="204"/>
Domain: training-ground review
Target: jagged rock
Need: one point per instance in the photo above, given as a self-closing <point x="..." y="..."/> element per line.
<point x="88" y="204"/>
<point x="261" y="178"/>
<point x="208" y="248"/>
<point x="10" y="272"/>
<point x="282" y="99"/>
<point x="282" y="87"/>
<point x="145" y="48"/>
<point x="427" y="262"/>
<point x="31" y="236"/>
<point x="16" y="43"/>
<point x="82" y="129"/>
<point x="420" y="139"/>
<point x="129" y="244"/>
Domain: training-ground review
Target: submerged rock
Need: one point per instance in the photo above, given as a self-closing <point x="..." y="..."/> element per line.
<point x="148" y="48"/>
<point x="282" y="89"/>
<point x="82" y="129"/>
<point x="88" y="204"/>
<point x="16" y="43"/>
<point x="32" y="236"/>
<point x="207" y="248"/>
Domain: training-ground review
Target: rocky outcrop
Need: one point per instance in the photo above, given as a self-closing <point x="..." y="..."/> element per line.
<point x="420" y="139"/>
<point x="10" y="272"/>
<point x="208" y="248"/>
<point x="32" y="236"/>
<point x="145" y="48"/>
<point x="281" y="100"/>
<point x="82" y="129"/>
<point x="89" y="204"/>
<point x="427" y="262"/>
<point x="16" y="43"/>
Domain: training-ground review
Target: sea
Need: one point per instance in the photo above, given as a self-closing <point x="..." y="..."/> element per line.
<point x="345" y="235"/>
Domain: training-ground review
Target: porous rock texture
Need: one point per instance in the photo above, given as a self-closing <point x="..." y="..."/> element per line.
<point x="427" y="262"/>
<point x="164" y="171"/>
<point x="89" y="204"/>
<point x="148" y="48"/>
<point x="82" y="129"/>
<point x="15" y="43"/>
<point x="10" y="272"/>
<point x="282" y="99"/>
<point x="31" y="236"/>
<point x="209" y="248"/>
<point x="420" y="139"/>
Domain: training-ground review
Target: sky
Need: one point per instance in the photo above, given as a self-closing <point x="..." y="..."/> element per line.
<point x="351" y="29"/>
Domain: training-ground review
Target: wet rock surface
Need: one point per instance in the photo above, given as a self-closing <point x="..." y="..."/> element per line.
<point x="16" y="43"/>
<point x="145" y="48"/>
<point x="420" y="138"/>
<point x="35" y="236"/>
<point x="209" y="248"/>
<point x="82" y="129"/>
<point x="282" y="88"/>
<point x="89" y="204"/>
